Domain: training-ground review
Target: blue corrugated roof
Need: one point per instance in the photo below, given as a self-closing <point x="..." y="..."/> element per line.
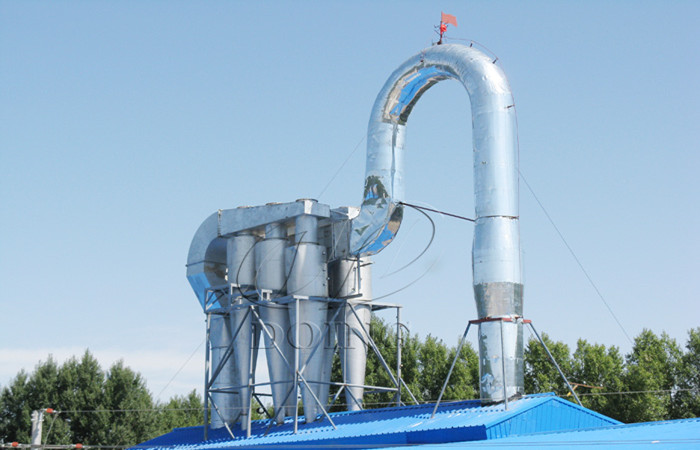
<point x="672" y="434"/>
<point x="412" y="425"/>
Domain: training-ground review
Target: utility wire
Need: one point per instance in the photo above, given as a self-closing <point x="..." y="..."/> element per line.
<point x="583" y="269"/>
<point x="430" y="242"/>
<point x="438" y="211"/>
<point x="180" y="369"/>
<point x="426" y="401"/>
<point x="335" y="175"/>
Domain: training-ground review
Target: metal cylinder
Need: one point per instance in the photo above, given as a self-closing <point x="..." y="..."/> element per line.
<point x="500" y="371"/>
<point x="307" y="276"/>
<point x="37" y="425"/>
<point x="496" y="252"/>
<point x="241" y="261"/>
<point x="351" y="279"/>
<point x="307" y="272"/>
<point x="306" y="229"/>
<point x="269" y="260"/>
<point x="227" y="404"/>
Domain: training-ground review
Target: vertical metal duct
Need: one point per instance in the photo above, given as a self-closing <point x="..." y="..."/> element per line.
<point x="227" y="405"/>
<point x="269" y="259"/>
<point x="498" y="288"/>
<point x="350" y="278"/>
<point x="306" y="266"/>
<point x="241" y="273"/>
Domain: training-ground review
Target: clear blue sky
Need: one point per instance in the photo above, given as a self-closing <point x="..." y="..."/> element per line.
<point x="123" y="125"/>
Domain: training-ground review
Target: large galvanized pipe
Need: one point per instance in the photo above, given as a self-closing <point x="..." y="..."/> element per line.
<point x="227" y="405"/>
<point x="498" y="288"/>
<point x="241" y="273"/>
<point x="269" y="259"/>
<point x="351" y="279"/>
<point x="307" y="276"/>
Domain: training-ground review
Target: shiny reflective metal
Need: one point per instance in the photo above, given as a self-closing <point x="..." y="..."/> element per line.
<point x="269" y="259"/>
<point x="271" y="263"/>
<point x="206" y="260"/>
<point x="287" y="288"/>
<point x="351" y="279"/>
<point x="307" y="276"/>
<point x="241" y="277"/>
<point x="227" y="404"/>
<point x="496" y="248"/>
<point x="500" y="371"/>
<point x="499" y="329"/>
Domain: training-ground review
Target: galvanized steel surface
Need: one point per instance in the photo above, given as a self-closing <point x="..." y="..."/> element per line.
<point x="225" y="241"/>
<point x="269" y="260"/>
<point x="496" y="249"/>
<point x="206" y="260"/>
<point x="494" y="140"/>
<point x="227" y="405"/>
<point x="351" y="278"/>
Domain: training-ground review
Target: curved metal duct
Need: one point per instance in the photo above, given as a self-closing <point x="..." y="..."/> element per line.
<point x="496" y="250"/>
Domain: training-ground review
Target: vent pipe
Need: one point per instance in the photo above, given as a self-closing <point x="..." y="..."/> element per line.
<point x="498" y="288"/>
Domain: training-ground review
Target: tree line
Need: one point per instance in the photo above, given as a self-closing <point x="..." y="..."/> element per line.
<point x="657" y="380"/>
<point x="95" y="407"/>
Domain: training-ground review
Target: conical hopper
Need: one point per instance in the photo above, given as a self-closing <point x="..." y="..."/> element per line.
<point x="306" y="266"/>
<point x="241" y="269"/>
<point x="352" y="337"/>
<point x="269" y="259"/>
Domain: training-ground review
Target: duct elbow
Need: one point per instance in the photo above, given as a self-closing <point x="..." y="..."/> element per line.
<point x="206" y="260"/>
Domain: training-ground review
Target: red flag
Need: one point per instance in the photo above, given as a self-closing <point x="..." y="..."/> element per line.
<point x="448" y="18"/>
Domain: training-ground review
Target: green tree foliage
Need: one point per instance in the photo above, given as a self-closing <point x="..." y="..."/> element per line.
<point x="130" y="407"/>
<point x="424" y="366"/>
<point x="540" y="374"/>
<point x="599" y="372"/>
<point x="687" y="400"/>
<point x="657" y="380"/>
<point x="95" y="407"/>
<point x="179" y="412"/>
<point x="652" y="371"/>
<point x="16" y="410"/>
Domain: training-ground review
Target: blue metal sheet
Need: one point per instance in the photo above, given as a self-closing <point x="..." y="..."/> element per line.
<point x="410" y="425"/>
<point x="673" y="434"/>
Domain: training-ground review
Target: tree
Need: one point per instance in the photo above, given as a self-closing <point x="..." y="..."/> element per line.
<point x="435" y="361"/>
<point x="129" y="406"/>
<point x="540" y="374"/>
<point x="15" y="412"/>
<point x="376" y="375"/>
<point x="95" y="408"/>
<point x="653" y="369"/>
<point x="686" y="401"/>
<point x="180" y="411"/>
<point x="424" y="366"/>
<point x="79" y="394"/>
<point x="596" y="365"/>
<point x="655" y="381"/>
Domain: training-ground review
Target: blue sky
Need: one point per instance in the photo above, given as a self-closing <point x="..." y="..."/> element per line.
<point x="123" y="125"/>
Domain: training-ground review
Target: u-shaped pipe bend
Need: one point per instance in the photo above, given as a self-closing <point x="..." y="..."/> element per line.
<point x="498" y="288"/>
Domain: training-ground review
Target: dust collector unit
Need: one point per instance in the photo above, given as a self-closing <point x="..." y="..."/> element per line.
<point x="281" y="276"/>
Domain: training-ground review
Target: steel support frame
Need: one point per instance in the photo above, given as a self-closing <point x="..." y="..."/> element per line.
<point x="501" y="320"/>
<point x="211" y="373"/>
